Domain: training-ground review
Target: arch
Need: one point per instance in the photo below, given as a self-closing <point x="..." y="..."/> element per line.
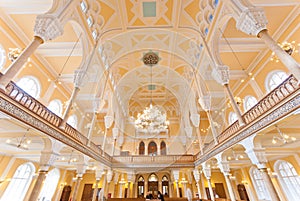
<point x="177" y="82"/>
<point x="127" y="48"/>
<point x="232" y="117"/>
<point x="165" y="185"/>
<point x="153" y="184"/>
<point x="55" y="106"/>
<point x="19" y="183"/>
<point x="72" y="121"/>
<point x="249" y="102"/>
<point x="163" y="148"/>
<point x="152" y="148"/>
<point x="288" y="179"/>
<point x="259" y="184"/>
<point x="142" y="148"/>
<point x="141" y="186"/>
<point x="30" y="85"/>
<point x="274" y="78"/>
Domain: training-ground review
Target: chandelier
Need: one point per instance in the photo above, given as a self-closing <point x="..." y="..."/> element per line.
<point x="153" y="120"/>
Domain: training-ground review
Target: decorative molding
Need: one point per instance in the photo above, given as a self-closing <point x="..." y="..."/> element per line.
<point x="247" y="131"/>
<point x="18" y="113"/>
<point x="48" y="27"/>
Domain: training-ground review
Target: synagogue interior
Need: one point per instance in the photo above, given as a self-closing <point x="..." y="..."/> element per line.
<point x="122" y="99"/>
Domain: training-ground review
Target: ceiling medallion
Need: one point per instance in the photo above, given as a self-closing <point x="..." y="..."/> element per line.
<point x="150" y="58"/>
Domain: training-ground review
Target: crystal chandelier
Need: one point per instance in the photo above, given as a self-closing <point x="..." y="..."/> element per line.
<point x="152" y="120"/>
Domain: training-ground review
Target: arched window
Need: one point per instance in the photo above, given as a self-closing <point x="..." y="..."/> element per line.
<point x="2" y="57"/>
<point x="50" y="185"/>
<point x="152" y="149"/>
<point x="259" y="184"/>
<point x="72" y="121"/>
<point x="19" y="183"/>
<point x="289" y="179"/>
<point x="55" y="106"/>
<point x="232" y="118"/>
<point x="30" y="85"/>
<point x="163" y="148"/>
<point x="249" y="102"/>
<point x="274" y="78"/>
<point x="142" y="148"/>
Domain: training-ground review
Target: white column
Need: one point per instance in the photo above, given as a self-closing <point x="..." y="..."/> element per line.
<point x="258" y="157"/>
<point x="17" y="65"/>
<point x="207" y="174"/>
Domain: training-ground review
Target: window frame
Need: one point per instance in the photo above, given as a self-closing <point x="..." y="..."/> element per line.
<point x="36" y="82"/>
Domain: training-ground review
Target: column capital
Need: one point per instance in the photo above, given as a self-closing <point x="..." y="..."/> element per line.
<point x="108" y="120"/>
<point x="221" y="74"/>
<point x="206" y="171"/>
<point x="195" y="118"/>
<point x="109" y="175"/>
<point x="205" y="102"/>
<point x="48" y="27"/>
<point x="79" y="75"/>
<point x="196" y="174"/>
<point x="252" y="21"/>
<point x="47" y="159"/>
<point x="257" y="157"/>
<point x="175" y="174"/>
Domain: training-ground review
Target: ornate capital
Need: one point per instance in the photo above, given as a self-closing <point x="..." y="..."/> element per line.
<point x="224" y="167"/>
<point x="79" y="77"/>
<point x="195" y="118"/>
<point x="109" y="175"/>
<point x="207" y="172"/>
<point x="98" y="173"/>
<point x="189" y="131"/>
<point x="81" y="168"/>
<point x="205" y="102"/>
<point x="175" y="174"/>
<point x="48" y="27"/>
<point x="47" y="159"/>
<point x="257" y="157"/>
<point x="252" y="21"/>
<point x="221" y="74"/>
<point x="196" y="174"/>
<point x="115" y="132"/>
<point x="108" y="120"/>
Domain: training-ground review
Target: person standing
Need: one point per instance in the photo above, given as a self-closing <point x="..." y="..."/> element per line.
<point x="160" y="196"/>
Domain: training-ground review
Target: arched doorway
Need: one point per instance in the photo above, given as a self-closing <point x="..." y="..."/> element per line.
<point x="142" y="148"/>
<point x="140" y="189"/>
<point x="153" y="185"/>
<point x="165" y="186"/>
<point x="152" y="149"/>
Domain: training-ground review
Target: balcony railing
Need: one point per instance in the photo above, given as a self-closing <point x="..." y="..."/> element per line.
<point x="285" y="92"/>
<point x="38" y="110"/>
<point x="159" y="160"/>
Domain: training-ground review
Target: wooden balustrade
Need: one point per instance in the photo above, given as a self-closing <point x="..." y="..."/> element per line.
<point x="42" y="112"/>
<point x="137" y="159"/>
<point x="277" y="95"/>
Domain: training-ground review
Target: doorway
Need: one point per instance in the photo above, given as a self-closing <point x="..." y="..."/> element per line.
<point x="242" y="192"/>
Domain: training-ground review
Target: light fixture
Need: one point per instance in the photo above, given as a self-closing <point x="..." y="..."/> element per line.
<point x="288" y="47"/>
<point x="14" y="53"/>
<point x="153" y="120"/>
<point x="238" y="101"/>
<point x="20" y="142"/>
<point x="284" y="138"/>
